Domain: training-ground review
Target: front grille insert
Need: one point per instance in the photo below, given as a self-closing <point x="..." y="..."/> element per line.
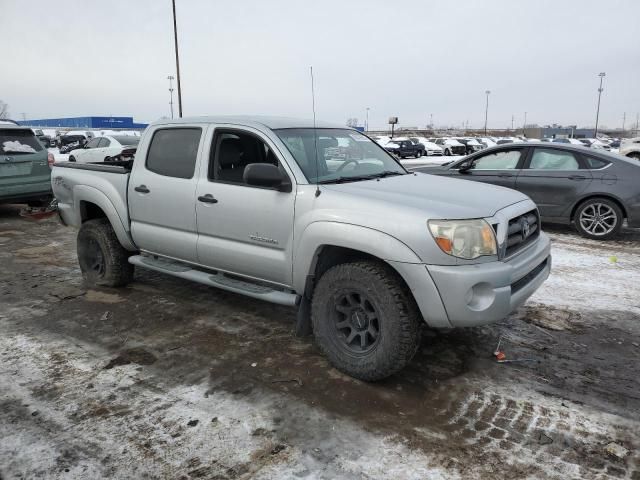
<point x="523" y="230"/>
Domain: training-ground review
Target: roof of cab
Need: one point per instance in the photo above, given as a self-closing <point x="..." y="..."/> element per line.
<point x="256" y="121"/>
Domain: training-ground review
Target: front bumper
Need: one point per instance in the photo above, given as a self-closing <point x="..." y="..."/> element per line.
<point x="472" y="295"/>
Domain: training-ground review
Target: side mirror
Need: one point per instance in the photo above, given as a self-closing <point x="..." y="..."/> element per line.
<point x="465" y="166"/>
<point x="266" y="175"/>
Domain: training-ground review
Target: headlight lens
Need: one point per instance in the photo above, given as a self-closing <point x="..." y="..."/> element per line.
<point x="466" y="239"/>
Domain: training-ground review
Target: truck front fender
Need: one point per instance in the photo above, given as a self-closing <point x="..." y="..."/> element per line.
<point x="85" y="193"/>
<point x="322" y="233"/>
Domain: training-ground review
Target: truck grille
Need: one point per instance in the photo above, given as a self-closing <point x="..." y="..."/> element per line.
<point x="522" y="231"/>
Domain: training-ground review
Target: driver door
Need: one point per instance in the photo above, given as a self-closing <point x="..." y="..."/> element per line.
<point x="86" y="153"/>
<point x="498" y="168"/>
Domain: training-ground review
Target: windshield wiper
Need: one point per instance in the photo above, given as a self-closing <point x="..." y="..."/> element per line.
<point x="357" y="178"/>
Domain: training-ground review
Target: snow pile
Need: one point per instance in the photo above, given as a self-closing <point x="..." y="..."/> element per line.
<point x="17" y="147"/>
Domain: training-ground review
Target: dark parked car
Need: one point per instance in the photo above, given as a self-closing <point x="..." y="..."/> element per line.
<point x="71" y="142"/>
<point x="593" y="189"/>
<point x="470" y="145"/>
<point x="405" y="148"/>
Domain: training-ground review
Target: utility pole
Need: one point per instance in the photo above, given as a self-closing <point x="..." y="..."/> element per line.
<point x="175" y="38"/>
<point x="431" y="120"/>
<point x="486" y="111"/>
<point x="512" y="119"/>
<point x="366" y="126"/>
<point x="601" y="75"/>
<point x="24" y="116"/>
<point x="624" y="118"/>
<point x="637" y="118"/>
<point x="170" y="78"/>
<point x="524" y="125"/>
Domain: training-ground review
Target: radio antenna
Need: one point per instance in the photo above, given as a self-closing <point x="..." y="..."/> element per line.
<point x="315" y="133"/>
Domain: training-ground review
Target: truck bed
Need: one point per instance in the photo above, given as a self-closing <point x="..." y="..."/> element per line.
<point x="78" y="185"/>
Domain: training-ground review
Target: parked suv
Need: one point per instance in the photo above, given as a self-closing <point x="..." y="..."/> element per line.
<point x="451" y="146"/>
<point x="316" y="217"/>
<point x="25" y="172"/>
<point x="405" y="148"/>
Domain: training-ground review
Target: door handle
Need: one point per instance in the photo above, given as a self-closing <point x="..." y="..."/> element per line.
<point x="577" y="177"/>
<point x="208" y="198"/>
<point x="505" y="175"/>
<point x="142" y="189"/>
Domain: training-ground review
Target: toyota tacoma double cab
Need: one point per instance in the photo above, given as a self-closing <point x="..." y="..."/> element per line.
<point x="316" y="217"/>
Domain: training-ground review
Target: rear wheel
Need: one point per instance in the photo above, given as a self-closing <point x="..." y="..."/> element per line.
<point x="598" y="218"/>
<point x="418" y="153"/>
<point x="635" y="156"/>
<point x="447" y="152"/>
<point x="103" y="261"/>
<point x="108" y="159"/>
<point x="72" y="158"/>
<point x="365" y="320"/>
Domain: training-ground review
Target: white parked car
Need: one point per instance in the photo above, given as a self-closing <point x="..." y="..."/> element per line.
<point x="451" y="146"/>
<point x="572" y="141"/>
<point x="430" y="148"/>
<point x="595" y="143"/>
<point x="105" y="149"/>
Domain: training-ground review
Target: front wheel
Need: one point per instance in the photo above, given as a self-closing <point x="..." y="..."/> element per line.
<point x="103" y="261"/>
<point x="598" y="218"/>
<point x="365" y="320"/>
<point x="447" y="152"/>
<point x="72" y="158"/>
<point x="418" y="153"/>
<point x="635" y="156"/>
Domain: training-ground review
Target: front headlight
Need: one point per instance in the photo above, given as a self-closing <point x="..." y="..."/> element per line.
<point x="466" y="239"/>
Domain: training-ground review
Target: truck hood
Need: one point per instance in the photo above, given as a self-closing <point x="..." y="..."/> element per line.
<point x="438" y="197"/>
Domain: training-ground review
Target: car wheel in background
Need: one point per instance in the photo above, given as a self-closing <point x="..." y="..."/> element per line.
<point x="72" y="158"/>
<point x="418" y="153"/>
<point x="102" y="259"/>
<point x="108" y="159"/>
<point x="598" y="218"/>
<point x="365" y="319"/>
<point x="634" y="156"/>
<point x="447" y="152"/>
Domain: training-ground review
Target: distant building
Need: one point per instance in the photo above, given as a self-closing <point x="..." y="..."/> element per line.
<point x="111" y="123"/>
<point x="556" y="131"/>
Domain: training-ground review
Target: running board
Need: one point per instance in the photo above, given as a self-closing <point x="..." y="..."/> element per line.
<point x="215" y="279"/>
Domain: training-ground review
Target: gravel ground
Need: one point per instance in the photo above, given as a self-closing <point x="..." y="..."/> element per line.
<point x="168" y="379"/>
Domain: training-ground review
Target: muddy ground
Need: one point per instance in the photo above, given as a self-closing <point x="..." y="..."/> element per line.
<point x="169" y="379"/>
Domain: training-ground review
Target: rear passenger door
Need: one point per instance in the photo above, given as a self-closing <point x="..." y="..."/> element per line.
<point x="498" y="168"/>
<point x="553" y="178"/>
<point x="244" y="229"/>
<point x="162" y="191"/>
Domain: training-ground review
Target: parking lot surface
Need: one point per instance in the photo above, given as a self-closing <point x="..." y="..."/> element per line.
<point x="169" y="379"/>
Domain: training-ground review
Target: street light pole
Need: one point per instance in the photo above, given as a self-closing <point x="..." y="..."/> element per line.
<point x="486" y="111"/>
<point x="431" y="121"/>
<point x="524" y="125"/>
<point x="175" y="38"/>
<point x="366" y="127"/>
<point x="170" y="77"/>
<point x="601" y="75"/>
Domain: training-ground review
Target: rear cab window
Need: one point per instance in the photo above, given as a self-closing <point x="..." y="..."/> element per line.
<point x="18" y="142"/>
<point x="173" y="151"/>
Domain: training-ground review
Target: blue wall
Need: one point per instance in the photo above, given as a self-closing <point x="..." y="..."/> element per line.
<point x="86" y="122"/>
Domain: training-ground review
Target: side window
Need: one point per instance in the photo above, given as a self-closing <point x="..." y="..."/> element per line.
<point x="93" y="143"/>
<point x="505" y="160"/>
<point x="173" y="152"/>
<point x="548" y="159"/>
<point x="595" y="163"/>
<point x="232" y="151"/>
<point x="104" y="142"/>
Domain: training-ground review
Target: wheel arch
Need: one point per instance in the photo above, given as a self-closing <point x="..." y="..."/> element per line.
<point x="91" y="203"/>
<point x="591" y="196"/>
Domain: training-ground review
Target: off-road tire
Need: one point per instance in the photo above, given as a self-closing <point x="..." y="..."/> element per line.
<point x="594" y="201"/>
<point x="115" y="269"/>
<point x="397" y="317"/>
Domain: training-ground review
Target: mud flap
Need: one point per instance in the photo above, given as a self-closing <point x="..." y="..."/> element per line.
<point x="303" y="318"/>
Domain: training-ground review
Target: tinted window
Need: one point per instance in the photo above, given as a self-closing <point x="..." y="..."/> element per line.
<point x="93" y="143"/>
<point x="18" y="142"/>
<point x="506" y="160"/>
<point x="547" y="159"/>
<point x="596" y="163"/>
<point x="173" y="152"/>
<point x="103" y="143"/>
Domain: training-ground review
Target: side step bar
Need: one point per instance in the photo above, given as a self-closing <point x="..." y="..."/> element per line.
<point x="215" y="279"/>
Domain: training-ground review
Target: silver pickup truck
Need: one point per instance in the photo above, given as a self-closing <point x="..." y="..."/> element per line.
<point x="315" y="217"/>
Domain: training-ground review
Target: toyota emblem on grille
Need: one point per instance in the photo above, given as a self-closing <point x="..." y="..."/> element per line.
<point x="525" y="228"/>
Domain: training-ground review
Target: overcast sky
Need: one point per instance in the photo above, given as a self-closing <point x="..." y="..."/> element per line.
<point x="406" y="58"/>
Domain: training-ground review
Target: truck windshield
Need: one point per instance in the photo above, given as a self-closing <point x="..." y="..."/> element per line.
<point x="343" y="155"/>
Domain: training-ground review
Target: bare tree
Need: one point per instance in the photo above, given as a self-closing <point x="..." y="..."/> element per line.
<point x="4" y="109"/>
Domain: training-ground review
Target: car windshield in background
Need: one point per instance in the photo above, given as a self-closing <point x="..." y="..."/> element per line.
<point x="17" y="142"/>
<point x="343" y="155"/>
<point x="127" y="139"/>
